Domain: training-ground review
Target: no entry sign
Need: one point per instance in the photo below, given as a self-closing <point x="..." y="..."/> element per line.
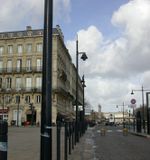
<point x="133" y="101"/>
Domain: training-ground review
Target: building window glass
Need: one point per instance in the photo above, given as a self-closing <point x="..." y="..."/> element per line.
<point x="29" y="48"/>
<point x="8" y="83"/>
<point x="20" y="49"/>
<point x="10" y="49"/>
<point x="39" y="64"/>
<point x="9" y="65"/>
<point x="38" y="99"/>
<point x="17" y="99"/>
<point x="39" y="47"/>
<point x="18" y="83"/>
<point x="28" y="83"/>
<point x="8" y="99"/>
<point x="19" y="65"/>
<point x="1" y="66"/>
<point x="27" y="99"/>
<point x="1" y="81"/>
<point x="1" y="100"/>
<point x="1" y="50"/>
<point x="38" y="82"/>
<point x="28" y="65"/>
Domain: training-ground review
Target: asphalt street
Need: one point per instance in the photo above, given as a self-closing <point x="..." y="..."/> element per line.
<point x="115" y="146"/>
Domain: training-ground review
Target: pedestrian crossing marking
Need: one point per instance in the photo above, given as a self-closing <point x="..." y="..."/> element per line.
<point x="109" y="131"/>
<point x="119" y="130"/>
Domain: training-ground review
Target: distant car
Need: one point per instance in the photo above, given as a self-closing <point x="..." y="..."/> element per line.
<point x="109" y="123"/>
<point x="92" y="123"/>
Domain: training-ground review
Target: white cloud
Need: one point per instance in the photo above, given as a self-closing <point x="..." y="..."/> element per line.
<point x="114" y="65"/>
<point x="17" y="14"/>
<point x="62" y="9"/>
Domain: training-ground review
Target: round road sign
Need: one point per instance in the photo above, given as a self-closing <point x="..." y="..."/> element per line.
<point x="133" y="101"/>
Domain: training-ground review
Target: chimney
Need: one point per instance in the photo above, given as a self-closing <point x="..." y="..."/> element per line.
<point x="28" y="28"/>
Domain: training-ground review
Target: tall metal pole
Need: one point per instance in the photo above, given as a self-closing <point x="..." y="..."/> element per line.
<point x="18" y="101"/>
<point x="123" y="116"/>
<point x="46" y="112"/>
<point x="148" y="122"/>
<point x="77" y="55"/>
<point x="143" y="115"/>
<point x="3" y="107"/>
<point x="83" y="81"/>
<point x="3" y="140"/>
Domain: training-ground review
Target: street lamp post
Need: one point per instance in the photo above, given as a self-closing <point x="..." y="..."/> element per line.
<point x="32" y="113"/>
<point x="83" y="84"/>
<point x="129" y="118"/>
<point x="148" y="117"/>
<point x="46" y="110"/>
<point x="122" y="113"/>
<point x="18" y="102"/>
<point x="83" y="57"/>
<point x="142" y="90"/>
<point x="3" y="106"/>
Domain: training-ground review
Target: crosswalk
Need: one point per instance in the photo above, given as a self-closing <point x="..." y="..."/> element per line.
<point x="110" y="131"/>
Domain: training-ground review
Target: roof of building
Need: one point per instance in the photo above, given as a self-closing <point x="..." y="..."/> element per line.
<point x="29" y="32"/>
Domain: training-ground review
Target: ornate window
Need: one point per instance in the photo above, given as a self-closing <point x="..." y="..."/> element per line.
<point x="29" y="48"/>
<point x="20" y="49"/>
<point x="1" y="50"/>
<point x="39" y="47"/>
<point x="38" y="99"/>
<point x="10" y="49"/>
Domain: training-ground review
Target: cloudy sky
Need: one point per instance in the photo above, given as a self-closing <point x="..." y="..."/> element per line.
<point x="115" y="34"/>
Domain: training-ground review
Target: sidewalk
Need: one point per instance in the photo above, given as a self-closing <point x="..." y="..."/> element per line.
<point x="84" y="150"/>
<point x="140" y="134"/>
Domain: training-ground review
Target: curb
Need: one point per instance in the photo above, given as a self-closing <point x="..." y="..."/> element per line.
<point x="140" y="134"/>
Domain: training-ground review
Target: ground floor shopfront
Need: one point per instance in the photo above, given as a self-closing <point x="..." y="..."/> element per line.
<point x="21" y="114"/>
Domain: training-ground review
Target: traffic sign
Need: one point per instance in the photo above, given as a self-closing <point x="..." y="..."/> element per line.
<point x="133" y="105"/>
<point x="133" y="101"/>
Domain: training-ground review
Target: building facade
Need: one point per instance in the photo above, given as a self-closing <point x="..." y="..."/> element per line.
<point x="21" y="55"/>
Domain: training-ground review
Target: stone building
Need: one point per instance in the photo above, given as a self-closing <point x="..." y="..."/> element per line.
<point x="21" y="76"/>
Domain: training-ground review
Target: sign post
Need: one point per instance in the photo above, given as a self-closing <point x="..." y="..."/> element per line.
<point x="133" y="105"/>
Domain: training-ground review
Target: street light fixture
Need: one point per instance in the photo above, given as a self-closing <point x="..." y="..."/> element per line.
<point x="83" y="57"/>
<point x="141" y="90"/>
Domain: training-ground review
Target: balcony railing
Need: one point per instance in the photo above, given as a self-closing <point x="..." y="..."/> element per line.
<point x="21" y="70"/>
<point x="20" y="90"/>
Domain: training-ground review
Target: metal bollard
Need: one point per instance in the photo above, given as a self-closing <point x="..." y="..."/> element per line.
<point x="69" y="135"/>
<point x="3" y="140"/>
<point x="58" y="140"/>
<point x="66" y="142"/>
<point x="103" y="132"/>
<point x="73" y="135"/>
<point x="125" y="131"/>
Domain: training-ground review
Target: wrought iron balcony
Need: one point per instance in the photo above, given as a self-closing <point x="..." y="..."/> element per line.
<point x="21" y="90"/>
<point x="21" y="70"/>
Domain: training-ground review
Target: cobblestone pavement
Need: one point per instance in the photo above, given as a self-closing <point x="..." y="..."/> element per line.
<point x="23" y="143"/>
<point x="85" y="149"/>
